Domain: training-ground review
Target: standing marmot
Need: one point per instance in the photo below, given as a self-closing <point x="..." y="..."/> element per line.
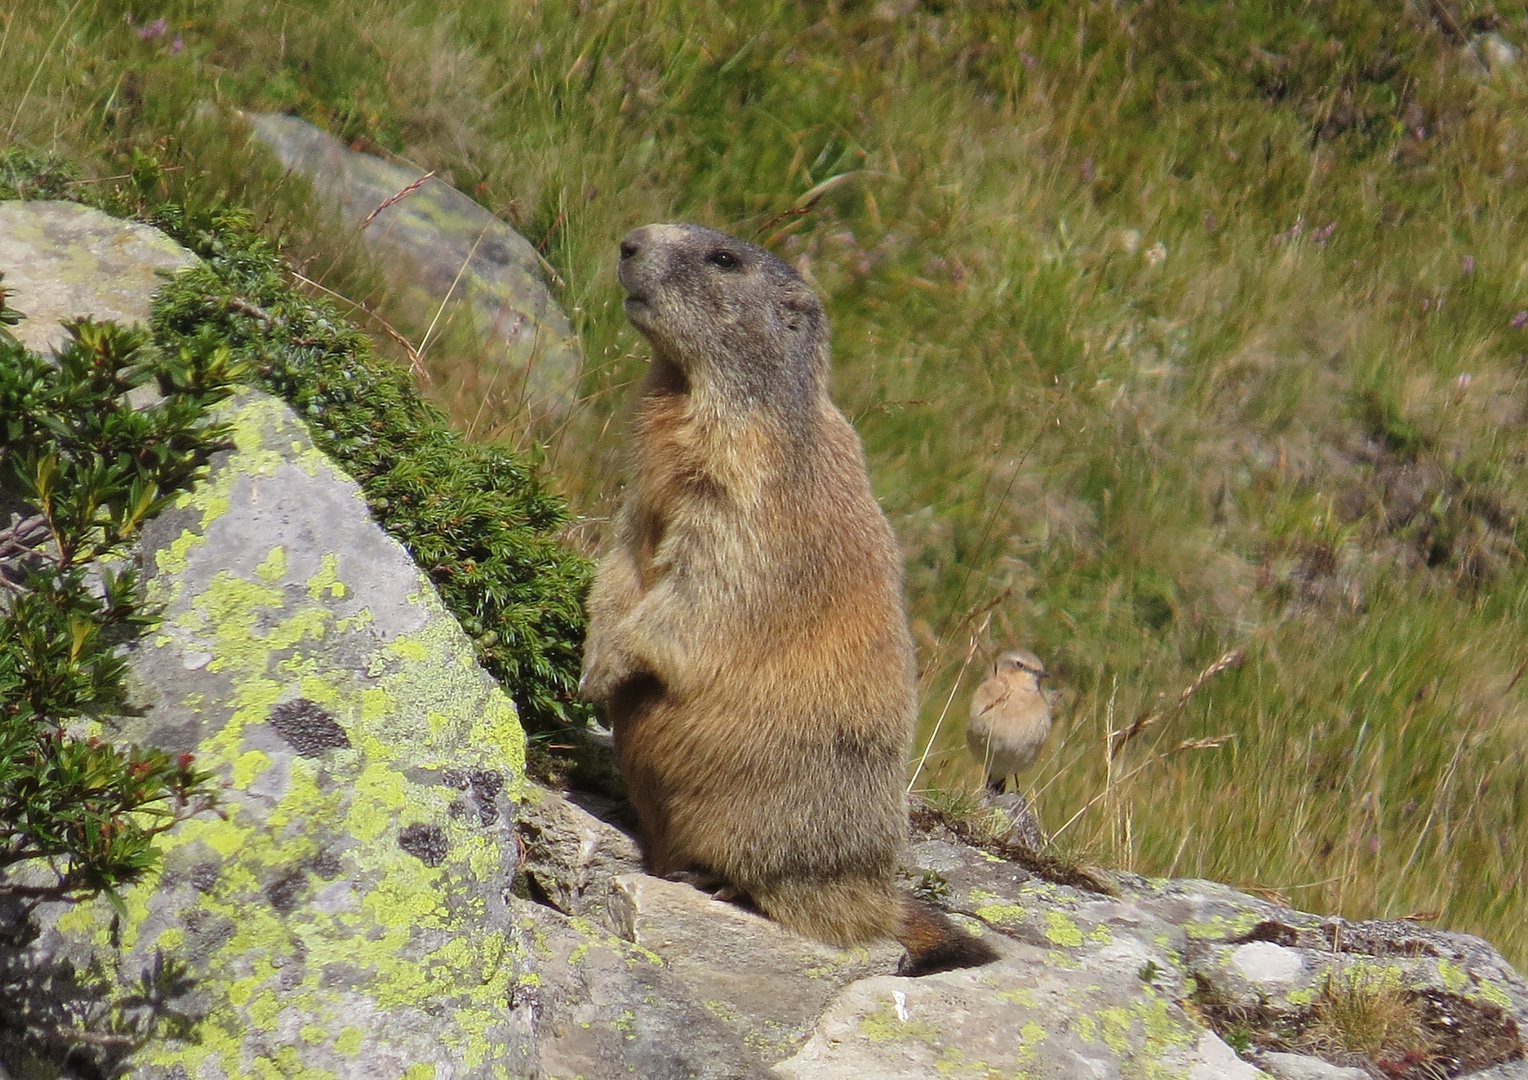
<point x="747" y="628"/>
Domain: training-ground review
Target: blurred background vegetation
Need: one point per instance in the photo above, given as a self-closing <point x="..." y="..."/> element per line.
<point x="1171" y="328"/>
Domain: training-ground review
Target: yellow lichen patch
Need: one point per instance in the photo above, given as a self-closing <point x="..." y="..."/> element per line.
<point x="1061" y="929"/>
<point x="173" y="560"/>
<point x="1217" y="927"/>
<point x="1018" y="995"/>
<point x="884" y="1025"/>
<point x="273" y="569"/>
<point x="327" y="579"/>
<point x="1495" y="995"/>
<point x="1162" y="1031"/>
<point x="249" y="766"/>
<point x="1454" y="977"/>
<point x="1001" y="913"/>
<point x="1114" y="1028"/>
<point x="406" y="649"/>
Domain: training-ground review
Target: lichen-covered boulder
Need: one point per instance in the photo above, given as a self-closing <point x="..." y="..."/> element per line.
<point x="344" y="914"/>
<point x="455" y="264"/>
<point x="62" y="260"/>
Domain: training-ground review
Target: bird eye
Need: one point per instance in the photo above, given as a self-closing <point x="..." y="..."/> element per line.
<point x="724" y="259"/>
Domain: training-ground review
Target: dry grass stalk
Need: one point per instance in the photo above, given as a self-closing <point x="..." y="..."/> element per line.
<point x="1118" y="739"/>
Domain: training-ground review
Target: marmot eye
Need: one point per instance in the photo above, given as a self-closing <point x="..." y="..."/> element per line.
<point x="724" y="259"/>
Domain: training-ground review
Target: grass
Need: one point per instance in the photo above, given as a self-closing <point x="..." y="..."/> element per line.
<point x="1362" y="1013"/>
<point x="1171" y="328"/>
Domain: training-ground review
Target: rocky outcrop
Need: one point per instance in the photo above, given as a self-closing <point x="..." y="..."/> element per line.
<point x="62" y="260"/>
<point x="456" y="265"/>
<point x="1137" y="977"/>
<point x="384" y="894"/>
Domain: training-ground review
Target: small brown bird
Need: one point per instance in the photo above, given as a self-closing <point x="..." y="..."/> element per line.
<point x="1010" y="717"/>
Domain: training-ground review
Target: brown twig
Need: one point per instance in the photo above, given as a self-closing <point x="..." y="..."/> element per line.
<point x="812" y="196"/>
<point x="1445" y="19"/>
<point x="253" y="310"/>
<point x="402" y="194"/>
<point x="1516" y="675"/>
<point x="1151" y="719"/>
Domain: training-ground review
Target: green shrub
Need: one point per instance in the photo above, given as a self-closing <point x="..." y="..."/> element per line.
<point x="476" y="518"/>
<point x="87" y="469"/>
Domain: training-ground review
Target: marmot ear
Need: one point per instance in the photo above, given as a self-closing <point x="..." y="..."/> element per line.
<point x="799" y="307"/>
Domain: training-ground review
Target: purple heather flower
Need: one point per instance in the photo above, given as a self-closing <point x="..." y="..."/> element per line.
<point x="1467" y="265"/>
<point x="1520" y="320"/>
<point x="177" y="45"/>
<point x="153" y="30"/>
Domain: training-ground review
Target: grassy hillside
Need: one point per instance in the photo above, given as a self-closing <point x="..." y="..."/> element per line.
<point x="1171" y="328"/>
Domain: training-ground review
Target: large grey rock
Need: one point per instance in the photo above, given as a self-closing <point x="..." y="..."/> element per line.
<point x="63" y="260"/>
<point x="344" y="914"/>
<point x="446" y="254"/>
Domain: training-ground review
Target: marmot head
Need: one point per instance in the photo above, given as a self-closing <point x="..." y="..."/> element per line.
<point x="725" y="313"/>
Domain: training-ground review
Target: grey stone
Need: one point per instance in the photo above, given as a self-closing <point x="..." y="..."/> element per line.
<point x="770" y="984"/>
<point x="1512" y="1070"/>
<point x="63" y="260"/>
<point x="447" y="255"/>
<point x="572" y="858"/>
<point x="1305" y="1067"/>
<point x="603" y="1007"/>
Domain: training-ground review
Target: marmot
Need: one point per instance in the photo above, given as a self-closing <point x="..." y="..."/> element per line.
<point x="747" y="628"/>
<point x="1010" y="717"/>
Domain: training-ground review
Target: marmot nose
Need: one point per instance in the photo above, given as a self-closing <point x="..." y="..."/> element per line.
<point x="629" y="247"/>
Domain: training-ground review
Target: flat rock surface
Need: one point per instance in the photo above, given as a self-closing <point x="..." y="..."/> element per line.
<point x="448" y="256"/>
<point x="63" y="260"/>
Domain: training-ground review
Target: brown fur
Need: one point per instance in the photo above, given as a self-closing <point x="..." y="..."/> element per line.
<point x="747" y="627"/>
